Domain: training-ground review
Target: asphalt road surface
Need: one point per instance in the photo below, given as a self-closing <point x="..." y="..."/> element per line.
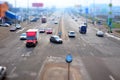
<point x="99" y="57"/>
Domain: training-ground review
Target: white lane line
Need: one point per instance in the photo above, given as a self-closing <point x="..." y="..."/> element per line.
<point x="26" y="54"/>
<point x="91" y="53"/>
<point x="23" y="55"/>
<point x="20" y="30"/>
<point x="13" y="70"/>
<point x="96" y="29"/>
<point x="18" y="47"/>
<point x="111" y="77"/>
<point x="112" y="36"/>
<point x="78" y="38"/>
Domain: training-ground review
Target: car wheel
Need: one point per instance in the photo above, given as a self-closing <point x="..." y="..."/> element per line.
<point x="50" y="40"/>
<point x="27" y="45"/>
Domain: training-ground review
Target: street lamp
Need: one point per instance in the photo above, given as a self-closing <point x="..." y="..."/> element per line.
<point x="27" y="11"/>
<point x="15" y="14"/>
<point x="94" y="11"/>
<point x="110" y="17"/>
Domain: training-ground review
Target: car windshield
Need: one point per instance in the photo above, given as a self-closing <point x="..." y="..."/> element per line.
<point x="72" y="32"/>
<point x="56" y="37"/>
<point x="31" y="38"/>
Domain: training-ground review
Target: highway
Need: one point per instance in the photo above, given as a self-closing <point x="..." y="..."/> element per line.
<point x="98" y="57"/>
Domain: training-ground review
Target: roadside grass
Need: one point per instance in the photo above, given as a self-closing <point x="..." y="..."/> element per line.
<point x="118" y="31"/>
<point x="116" y="25"/>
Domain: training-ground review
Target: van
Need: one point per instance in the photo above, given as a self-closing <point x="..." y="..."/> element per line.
<point x="83" y="29"/>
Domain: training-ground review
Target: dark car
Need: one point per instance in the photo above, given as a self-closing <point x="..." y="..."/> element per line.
<point x="13" y="29"/>
<point x="83" y="29"/>
<point x="56" y="39"/>
<point x="2" y="72"/>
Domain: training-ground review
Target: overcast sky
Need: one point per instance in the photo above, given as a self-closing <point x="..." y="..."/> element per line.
<point x="61" y="3"/>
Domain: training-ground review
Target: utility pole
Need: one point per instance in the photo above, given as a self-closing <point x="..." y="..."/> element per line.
<point x="15" y="14"/>
<point x="110" y="17"/>
<point x="27" y="11"/>
<point x="94" y="11"/>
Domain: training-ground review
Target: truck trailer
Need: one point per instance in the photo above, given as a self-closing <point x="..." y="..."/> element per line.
<point x="32" y="37"/>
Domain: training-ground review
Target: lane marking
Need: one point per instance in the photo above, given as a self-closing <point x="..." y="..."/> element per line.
<point x="23" y="55"/>
<point x="112" y="36"/>
<point x="20" y="30"/>
<point x="18" y="47"/>
<point x="78" y="38"/>
<point x="13" y="70"/>
<point x="26" y="54"/>
<point x="111" y="77"/>
<point x="91" y="53"/>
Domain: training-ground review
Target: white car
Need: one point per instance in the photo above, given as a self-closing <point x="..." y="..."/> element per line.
<point x="2" y="72"/>
<point x="18" y="26"/>
<point x="56" y="22"/>
<point x="42" y="30"/>
<point x="23" y="36"/>
<point x="6" y="25"/>
<point x="71" y="34"/>
<point x="100" y="33"/>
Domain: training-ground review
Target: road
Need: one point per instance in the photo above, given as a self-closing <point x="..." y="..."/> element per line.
<point x="99" y="57"/>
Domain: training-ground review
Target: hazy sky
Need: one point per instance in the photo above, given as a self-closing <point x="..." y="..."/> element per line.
<point x="60" y="3"/>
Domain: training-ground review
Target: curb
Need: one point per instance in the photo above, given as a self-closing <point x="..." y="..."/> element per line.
<point x="110" y="35"/>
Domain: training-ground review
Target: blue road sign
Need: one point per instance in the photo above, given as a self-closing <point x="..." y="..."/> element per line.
<point x="86" y="10"/>
<point x="69" y="58"/>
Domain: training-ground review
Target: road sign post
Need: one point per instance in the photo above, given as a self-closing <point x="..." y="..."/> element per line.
<point x="69" y="60"/>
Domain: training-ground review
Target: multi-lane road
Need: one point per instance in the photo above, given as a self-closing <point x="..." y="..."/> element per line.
<point x="99" y="58"/>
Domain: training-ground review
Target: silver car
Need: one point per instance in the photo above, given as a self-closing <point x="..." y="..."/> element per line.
<point x="18" y="26"/>
<point x="23" y="36"/>
<point x="100" y="33"/>
<point x="71" y="33"/>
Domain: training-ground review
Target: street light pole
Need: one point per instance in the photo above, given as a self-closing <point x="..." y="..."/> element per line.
<point x="15" y="14"/>
<point x="110" y="17"/>
<point x="94" y="11"/>
<point x="28" y="11"/>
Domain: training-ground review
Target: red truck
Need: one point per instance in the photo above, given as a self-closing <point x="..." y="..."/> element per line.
<point x="32" y="37"/>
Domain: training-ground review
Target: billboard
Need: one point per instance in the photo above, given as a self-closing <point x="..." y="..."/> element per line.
<point x="37" y="4"/>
